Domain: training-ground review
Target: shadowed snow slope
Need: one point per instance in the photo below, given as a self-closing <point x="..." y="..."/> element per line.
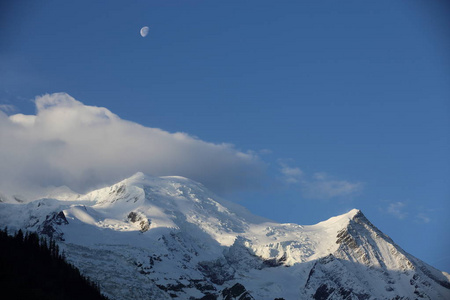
<point x="164" y="237"/>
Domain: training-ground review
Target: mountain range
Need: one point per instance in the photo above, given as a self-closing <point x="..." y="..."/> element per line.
<point x="170" y="237"/>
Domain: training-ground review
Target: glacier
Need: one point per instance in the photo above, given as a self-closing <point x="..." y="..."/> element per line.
<point x="170" y="237"/>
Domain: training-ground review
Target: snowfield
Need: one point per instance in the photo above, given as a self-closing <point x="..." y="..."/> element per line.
<point x="166" y="237"/>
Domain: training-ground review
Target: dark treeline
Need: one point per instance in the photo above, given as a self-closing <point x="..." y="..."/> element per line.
<point x="33" y="268"/>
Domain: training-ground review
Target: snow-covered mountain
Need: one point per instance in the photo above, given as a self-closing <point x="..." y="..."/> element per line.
<point x="169" y="237"/>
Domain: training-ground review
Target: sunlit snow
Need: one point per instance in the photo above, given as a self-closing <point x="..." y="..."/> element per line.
<point x="145" y="233"/>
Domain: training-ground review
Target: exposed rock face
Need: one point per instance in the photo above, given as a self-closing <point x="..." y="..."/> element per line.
<point x="237" y="291"/>
<point x="165" y="238"/>
<point x="365" y="259"/>
<point x="51" y="226"/>
<point x="140" y="220"/>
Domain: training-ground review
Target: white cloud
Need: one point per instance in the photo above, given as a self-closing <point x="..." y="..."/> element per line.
<point x="69" y="143"/>
<point x="7" y="108"/>
<point x="320" y="185"/>
<point x="397" y="209"/>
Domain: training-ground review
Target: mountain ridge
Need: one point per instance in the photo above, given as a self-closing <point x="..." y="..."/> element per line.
<point x="163" y="237"/>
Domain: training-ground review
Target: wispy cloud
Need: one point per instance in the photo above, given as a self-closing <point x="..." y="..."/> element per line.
<point x="397" y="209"/>
<point x="82" y="147"/>
<point x="423" y="218"/>
<point x="290" y="174"/>
<point x="7" y="108"/>
<point x="403" y="211"/>
<point x="320" y="185"/>
<point x="326" y="188"/>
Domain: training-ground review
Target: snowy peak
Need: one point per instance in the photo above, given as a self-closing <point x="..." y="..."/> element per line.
<point x="376" y="267"/>
<point x="339" y="221"/>
<point x="170" y="202"/>
<point x="164" y="237"/>
<point x="125" y="190"/>
<point x="132" y="188"/>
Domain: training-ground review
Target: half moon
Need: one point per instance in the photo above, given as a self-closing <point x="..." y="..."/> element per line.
<point x="144" y="31"/>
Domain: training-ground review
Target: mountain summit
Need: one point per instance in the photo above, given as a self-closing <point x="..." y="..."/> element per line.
<point x="169" y="237"/>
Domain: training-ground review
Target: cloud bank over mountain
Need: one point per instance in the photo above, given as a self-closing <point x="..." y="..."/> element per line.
<point x="83" y="147"/>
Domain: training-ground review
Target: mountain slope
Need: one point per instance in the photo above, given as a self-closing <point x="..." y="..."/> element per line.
<point x="164" y="237"/>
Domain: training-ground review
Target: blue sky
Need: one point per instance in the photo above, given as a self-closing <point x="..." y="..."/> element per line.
<point x="315" y="107"/>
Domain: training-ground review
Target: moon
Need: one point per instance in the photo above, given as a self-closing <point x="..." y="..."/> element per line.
<point x="144" y="31"/>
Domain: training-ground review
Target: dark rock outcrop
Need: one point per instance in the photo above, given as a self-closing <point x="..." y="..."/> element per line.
<point x="50" y="227"/>
<point x="237" y="291"/>
<point x="140" y="219"/>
